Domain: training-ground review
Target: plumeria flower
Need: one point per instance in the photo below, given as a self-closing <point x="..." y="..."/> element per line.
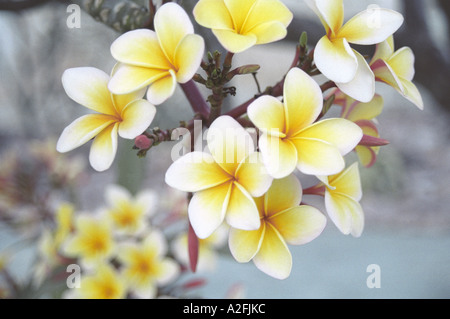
<point x="159" y="59"/>
<point x="207" y="248"/>
<point x="224" y="180"/>
<point x="104" y="283"/>
<point x="396" y="69"/>
<point x="124" y="115"/>
<point x="241" y="24"/>
<point x="342" y="195"/>
<point x="364" y="115"/>
<point x="283" y="221"/>
<point x="92" y="240"/>
<point x="145" y="266"/>
<point x="333" y="55"/>
<point x="290" y="136"/>
<point x="129" y="214"/>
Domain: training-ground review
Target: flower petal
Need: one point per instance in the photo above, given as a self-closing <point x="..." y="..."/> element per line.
<point x="365" y="111"/>
<point x="412" y="93"/>
<point x="253" y="176"/>
<point x="303" y="100"/>
<point x="121" y="101"/>
<point x="345" y="213"/>
<point x="188" y="57"/>
<point x="104" y="148"/>
<point x="279" y="155"/>
<point x="82" y="130"/>
<point x="335" y="59"/>
<point x="366" y="155"/>
<point x="116" y="196"/>
<point x="384" y="50"/>
<point x="402" y="63"/>
<point x="273" y="257"/>
<point x="362" y="86"/>
<point x="239" y="11"/>
<point x="269" y="32"/>
<point x="229" y="143"/>
<point x="207" y="209"/>
<point x="267" y="113"/>
<point x="330" y="12"/>
<point x="136" y="118"/>
<point x="233" y="41"/>
<point x="140" y="48"/>
<point x="348" y="182"/>
<point x="267" y="11"/>
<point x="172" y="24"/>
<point x="371" y="26"/>
<point x="127" y="78"/>
<point x="89" y="87"/>
<point x="163" y="88"/>
<point x="342" y="133"/>
<point x="194" y="172"/>
<point x="317" y="157"/>
<point x="300" y="224"/>
<point x="383" y="72"/>
<point x="283" y="194"/>
<point x="213" y="14"/>
<point x="244" y="244"/>
<point x="242" y="212"/>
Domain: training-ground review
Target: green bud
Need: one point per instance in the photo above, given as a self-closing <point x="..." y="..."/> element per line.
<point x="304" y="39"/>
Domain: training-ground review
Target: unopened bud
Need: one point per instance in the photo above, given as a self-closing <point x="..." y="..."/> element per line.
<point x="303" y="40"/>
<point x="142" y="142"/>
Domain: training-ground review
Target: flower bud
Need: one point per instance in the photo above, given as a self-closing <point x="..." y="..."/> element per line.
<point x="143" y="142"/>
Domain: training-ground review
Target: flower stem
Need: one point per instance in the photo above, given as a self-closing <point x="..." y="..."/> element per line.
<point x="196" y="100"/>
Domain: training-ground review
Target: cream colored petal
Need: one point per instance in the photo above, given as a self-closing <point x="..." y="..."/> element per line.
<point x="127" y="79"/>
<point x="188" y="57"/>
<point x="357" y="220"/>
<point x="384" y="50"/>
<point x="366" y="155"/>
<point x="267" y="113"/>
<point x="140" y="48"/>
<point x="342" y="133"/>
<point x="366" y="111"/>
<point x="279" y="155"/>
<point x="120" y="101"/>
<point x="162" y="89"/>
<point x="172" y="24"/>
<point x="213" y="14"/>
<point x="362" y="86"/>
<point x="89" y="87"/>
<point x="300" y="224"/>
<point x="412" y="93"/>
<point x="239" y="11"/>
<point x="402" y="63"/>
<point x="303" y="100"/>
<point x="268" y="32"/>
<point x="253" y="175"/>
<point x="383" y="72"/>
<point x="245" y="244"/>
<point x="136" y="118"/>
<point x="207" y="209"/>
<point x="317" y="157"/>
<point x="194" y="172"/>
<point x="233" y="41"/>
<point x="330" y="12"/>
<point x="335" y="59"/>
<point x="348" y="182"/>
<point x="242" y="212"/>
<point x="283" y="194"/>
<point x="82" y="130"/>
<point x="274" y="257"/>
<point x="265" y="11"/>
<point x="167" y="271"/>
<point x="342" y="210"/>
<point x="229" y="143"/>
<point x="104" y="148"/>
<point x="116" y="195"/>
<point x="371" y="26"/>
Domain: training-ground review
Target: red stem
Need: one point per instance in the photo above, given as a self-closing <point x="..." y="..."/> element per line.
<point x="198" y="103"/>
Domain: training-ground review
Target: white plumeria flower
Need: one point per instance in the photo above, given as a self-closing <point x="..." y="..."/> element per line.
<point x="124" y="115"/>
<point x="333" y="55"/>
<point x="224" y="181"/>
<point x="158" y="59"/>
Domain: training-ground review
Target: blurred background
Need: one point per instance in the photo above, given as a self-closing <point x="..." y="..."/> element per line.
<point x="406" y="193"/>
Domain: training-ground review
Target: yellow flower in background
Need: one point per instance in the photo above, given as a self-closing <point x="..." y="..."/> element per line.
<point x="333" y="55"/>
<point x="64" y="222"/>
<point x="159" y="59"/>
<point x="364" y="115"/>
<point x="129" y="213"/>
<point x="283" y="221"/>
<point x="342" y="195"/>
<point x="241" y="24"/>
<point x="124" y="115"/>
<point x="291" y="139"/>
<point x="224" y="181"/>
<point x="396" y="68"/>
<point x="92" y="240"/>
<point x="145" y="266"/>
<point x="207" y="249"/>
<point x="104" y="283"/>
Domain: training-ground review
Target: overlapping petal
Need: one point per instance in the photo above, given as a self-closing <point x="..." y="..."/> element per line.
<point x="162" y="88"/>
<point x="136" y="118"/>
<point x="253" y="176"/>
<point x="330" y="12"/>
<point x="235" y="42"/>
<point x="279" y="155"/>
<point x="213" y="14"/>
<point x="104" y="148"/>
<point x="188" y="56"/>
<point x="267" y="113"/>
<point x="242" y="212"/>
<point x="245" y="244"/>
<point x="283" y="194"/>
